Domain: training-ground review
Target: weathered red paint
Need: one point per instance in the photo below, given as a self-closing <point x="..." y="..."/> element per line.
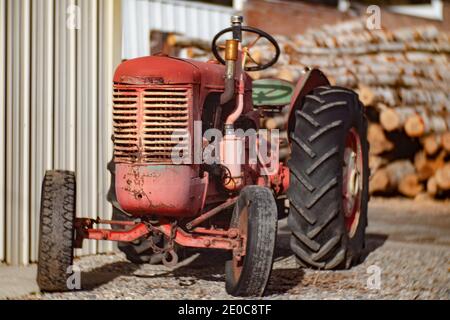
<point x="164" y="70"/>
<point x="163" y="190"/>
<point x="133" y="234"/>
<point x="280" y="182"/>
<point x="312" y="79"/>
<point x="194" y="240"/>
<point x="199" y="238"/>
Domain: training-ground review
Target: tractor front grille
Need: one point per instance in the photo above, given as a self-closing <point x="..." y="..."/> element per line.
<point x="151" y="124"/>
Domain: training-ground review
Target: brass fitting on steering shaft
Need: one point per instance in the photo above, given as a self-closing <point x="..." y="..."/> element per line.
<point x="231" y="50"/>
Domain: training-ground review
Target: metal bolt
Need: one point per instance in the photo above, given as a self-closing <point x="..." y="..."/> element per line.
<point x="237" y="19"/>
<point x="232" y="234"/>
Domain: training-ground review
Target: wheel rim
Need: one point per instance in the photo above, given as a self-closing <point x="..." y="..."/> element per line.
<point x="238" y="263"/>
<point x="352" y="181"/>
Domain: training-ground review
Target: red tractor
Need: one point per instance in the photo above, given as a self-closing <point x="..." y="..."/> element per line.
<point x="167" y="195"/>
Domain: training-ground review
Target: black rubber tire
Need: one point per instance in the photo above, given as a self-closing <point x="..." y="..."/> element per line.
<point x="140" y="251"/>
<point x="261" y="237"/>
<point x="319" y="236"/>
<point x="56" y="230"/>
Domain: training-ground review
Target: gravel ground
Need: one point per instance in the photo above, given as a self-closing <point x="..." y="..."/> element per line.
<point x="408" y="241"/>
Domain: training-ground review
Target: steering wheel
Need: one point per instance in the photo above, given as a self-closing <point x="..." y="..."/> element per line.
<point x="260" y="34"/>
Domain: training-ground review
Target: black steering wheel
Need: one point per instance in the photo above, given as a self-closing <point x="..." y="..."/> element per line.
<point x="261" y="34"/>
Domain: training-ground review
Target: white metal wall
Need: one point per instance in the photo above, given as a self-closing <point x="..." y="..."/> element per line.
<point x="55" y="111"/>
<point x="198" y="20"/>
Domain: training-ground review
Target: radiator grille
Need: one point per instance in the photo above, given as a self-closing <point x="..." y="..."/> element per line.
<point x="145" y="122"/>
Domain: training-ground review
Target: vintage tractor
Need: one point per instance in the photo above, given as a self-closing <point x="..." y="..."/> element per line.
<point x="183" y="174"/>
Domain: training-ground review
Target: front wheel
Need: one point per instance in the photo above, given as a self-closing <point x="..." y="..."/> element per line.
<point x="56" y="231"/>
<point x="328" y="190"/>
<point x="255" y="215"/>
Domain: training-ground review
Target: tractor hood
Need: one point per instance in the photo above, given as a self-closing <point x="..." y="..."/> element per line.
<point x="168" y="70"/>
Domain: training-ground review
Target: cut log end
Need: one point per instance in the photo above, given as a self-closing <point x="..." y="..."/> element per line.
<point x="414" y="126"/>
<point x="379" y="181"/>
<point x="445" y="141"/>
<point x="432" y="187"/>
<point x="389" y="119"/>
<point x="410" y="186"/>
<point x="443" y="177"/>
<point x="377" y="139"/>
<point x="366" y="96"/>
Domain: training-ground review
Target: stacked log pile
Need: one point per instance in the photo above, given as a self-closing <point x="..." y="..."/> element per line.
<point x="403" y="79"/>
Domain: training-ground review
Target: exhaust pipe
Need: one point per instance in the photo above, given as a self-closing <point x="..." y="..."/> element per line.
<point x="232" y="146"/>
<point x="231" y="53"/>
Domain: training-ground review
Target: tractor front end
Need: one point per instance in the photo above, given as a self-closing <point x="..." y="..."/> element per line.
<point x="191" y="168"/>
<point x="153" y="119"/>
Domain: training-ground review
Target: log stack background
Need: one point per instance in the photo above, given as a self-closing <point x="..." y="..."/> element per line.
<point x="402" y="77"/>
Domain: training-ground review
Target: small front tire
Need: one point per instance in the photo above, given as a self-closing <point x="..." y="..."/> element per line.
<point x="56" y="230"/>
<point x="255" y="215"/>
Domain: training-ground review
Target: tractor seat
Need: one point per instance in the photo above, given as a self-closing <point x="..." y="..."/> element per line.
<point x="272" y="92"/>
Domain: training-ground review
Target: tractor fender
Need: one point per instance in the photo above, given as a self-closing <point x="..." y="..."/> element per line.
<point x="313" y="78"/>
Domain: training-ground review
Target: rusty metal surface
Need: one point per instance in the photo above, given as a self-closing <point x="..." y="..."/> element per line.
<point x="191" y="240"/>
<point x="133" y="234"/>
<point x="230" y="239"/>
<point x="151" y="122"/>
<point x="312" y="79"/>
<point x="163" y="190"/>
<point x="211" y="213"/>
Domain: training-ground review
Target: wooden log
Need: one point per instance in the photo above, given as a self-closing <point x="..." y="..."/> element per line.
<point x="432" y="187"/>
<point x="427" y="167"/>
<point x="398" y="170"/>
<point x="443" y="177"/>
<point x="410" y="186"/>
<point x="389" y="178"/>
<point x="290" y="74"/>
<point x="423" y="165"/>
<point x="379" y="181"/>
<point x="370" y="96"/>
<point x="422" y="123"/>
<point x="394" y="118"/>
<point x="445" y="140"/>
<point x="182" y="41"/>
<point x="375" y="163"/>
<point x="377" y="139"/>
<point x="277" y="122"/>
<point x="431" y="144"/>
<point x="423" y="196"/>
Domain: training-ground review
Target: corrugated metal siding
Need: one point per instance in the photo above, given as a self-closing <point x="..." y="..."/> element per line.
<point x="55" y="112"/>
<point x="2" y="127"/>
<point x="198" y="20"/>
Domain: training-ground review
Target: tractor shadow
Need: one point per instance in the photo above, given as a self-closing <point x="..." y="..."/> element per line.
<point x="97" y="277"/>
<point x="373" y="242"/>
<point x="209" y="265"/>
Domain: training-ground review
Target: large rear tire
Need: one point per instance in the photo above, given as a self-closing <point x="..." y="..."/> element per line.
<point x="56" y="230"/>
<point x="255" y="214"/>
<point x="328" y="190"/>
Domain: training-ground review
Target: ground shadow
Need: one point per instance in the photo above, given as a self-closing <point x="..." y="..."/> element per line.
<point x="96" y="277"/>
<point x="373" y="242"/>
<point x="209" y="265"/>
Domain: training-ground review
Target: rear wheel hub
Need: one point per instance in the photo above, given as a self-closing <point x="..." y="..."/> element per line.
<point x="352" y="181"/>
